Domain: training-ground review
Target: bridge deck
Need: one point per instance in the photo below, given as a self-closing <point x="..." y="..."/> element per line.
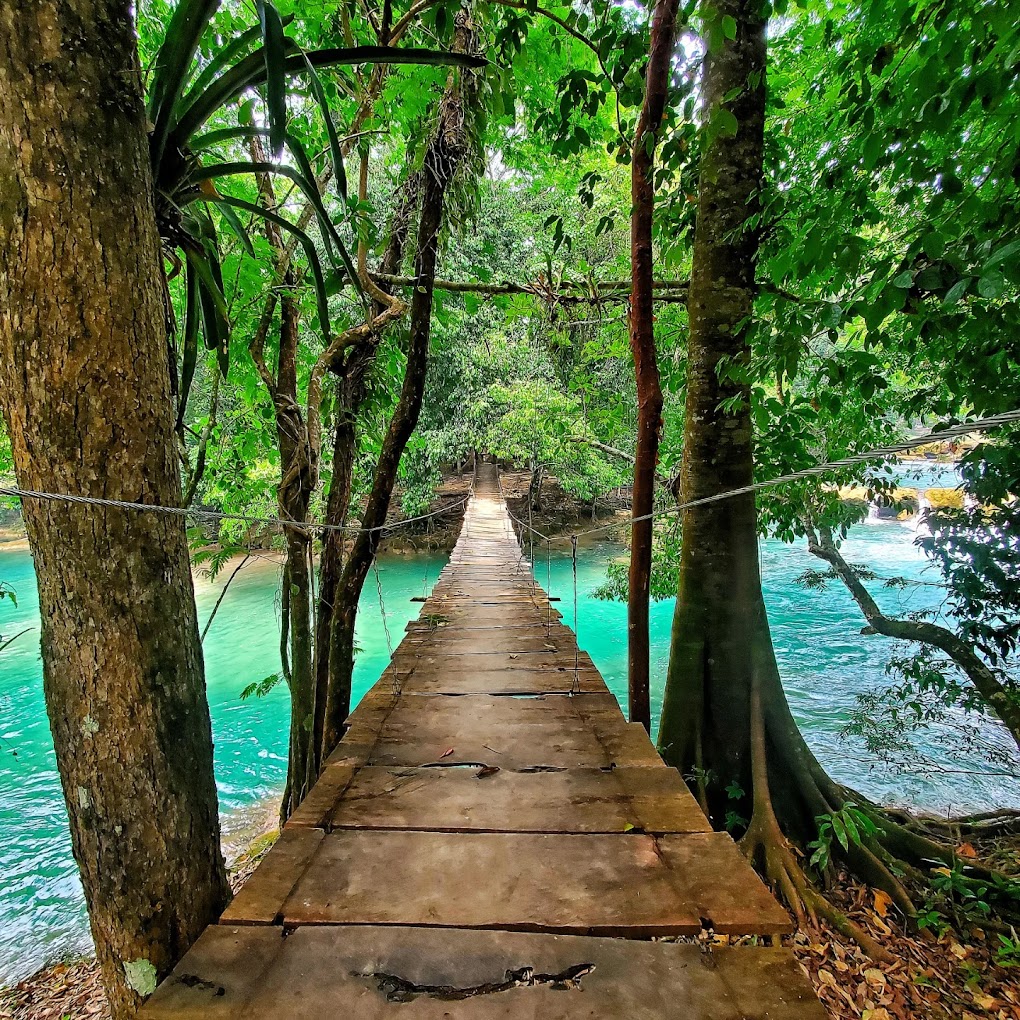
<point x="492" y="839"/>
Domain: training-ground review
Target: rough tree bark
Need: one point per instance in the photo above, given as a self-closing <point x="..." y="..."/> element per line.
<point x="726" y="723"/>
<point x="349" y="382"/>
<point x="85" y="389"/>
<point x="707" y="699"/>
<point x="443" y="157"/>
<point x="984" y="680"/>
<point x="298" y="478"/>
<point x="646" y="366"/>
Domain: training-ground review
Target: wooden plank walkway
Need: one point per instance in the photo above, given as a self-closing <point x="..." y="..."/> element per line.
<point x="492" y="839"/>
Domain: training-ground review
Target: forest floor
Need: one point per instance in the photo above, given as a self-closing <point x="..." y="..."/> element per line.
<point x="962" y="973"/>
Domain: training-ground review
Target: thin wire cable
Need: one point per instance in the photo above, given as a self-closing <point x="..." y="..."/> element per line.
<point x="531" y="536"/>
<point x="385" y="624"/>
<point x="213" y="515"/>
<point x="954" y="431"/>
<point x="548" y="587"/>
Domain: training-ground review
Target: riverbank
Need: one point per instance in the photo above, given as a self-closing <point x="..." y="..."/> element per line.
<point x="73" y="989"/>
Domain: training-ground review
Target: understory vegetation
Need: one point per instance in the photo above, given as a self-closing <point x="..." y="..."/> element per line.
<point x="317" y="258"/>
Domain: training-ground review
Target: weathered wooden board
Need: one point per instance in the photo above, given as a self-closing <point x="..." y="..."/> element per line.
<point x="653" y="800"/>
<point x="514" y="732"/>
<point x="555" y="680"/>
<point x="374" y="973"/>
<point x="623" y="885"/>
<point x="260" y="899"/>
<point x="442" y="662"/>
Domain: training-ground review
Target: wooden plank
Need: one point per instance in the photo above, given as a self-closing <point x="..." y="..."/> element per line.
<point x="260" y="899"/>
<point x="512" y="732"/>
<point x="654" y="800"/>
<point x="315" y="810"/>
<point x="441" y="662"/>
<point x="375" y="973"/>
<point x="557" y="680"/>
<point x="621" y="885"/>
<point x="450" y="642"/>
<point x="580" y="829"/>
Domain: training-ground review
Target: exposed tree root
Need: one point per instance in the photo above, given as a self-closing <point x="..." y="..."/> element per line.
<point x="764" y="843"/>
<point x="896" y="855"/>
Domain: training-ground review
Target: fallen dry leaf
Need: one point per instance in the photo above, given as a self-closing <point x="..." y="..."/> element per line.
<point x="883" y="901"/>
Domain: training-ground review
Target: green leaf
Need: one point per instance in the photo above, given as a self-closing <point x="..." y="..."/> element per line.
<point x="933" y="245"/>
<point x="173" y="60"/>
<point x="729" y="26"/>
<point x="306" y="182"/>
<point x="956" y="292"/>
<point x="321" y="298"/>
<point x="724" y="123"/>
<point x="275" y="51"/>
<point x="1000" y="254"/>
<point x="991" y="284"/>
<point x="250" y="72"/>
<point x="840" y="830"/>
<point x="905" y="280"/>
<point x="189" y="347"/>
<point x="220" y="60"/>
<point x="851" y="828"/>
<point x="235" y="224"/>
<point x="336" y="153"/>
<point x="214" y="313"/>
<point x="213" y="138"/>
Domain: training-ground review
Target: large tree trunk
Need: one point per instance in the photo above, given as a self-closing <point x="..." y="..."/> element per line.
<point x="726" y="723"/>
<point x="706" y="728"/>
<point x="442" y="159"/>
<point x="298" y="479"/>
<point x="646" y="366"/>
<point x="85" y="388"/>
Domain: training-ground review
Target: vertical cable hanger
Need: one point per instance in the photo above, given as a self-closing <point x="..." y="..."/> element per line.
<point x="385" y="623"/>
<point x="575" y="686"/>
<point x="531" y="536"/>
<point x="425" y="574"/>
<point x="548" y="587"/>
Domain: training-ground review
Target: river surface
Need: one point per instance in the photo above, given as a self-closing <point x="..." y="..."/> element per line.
<point x="824" y="661"/>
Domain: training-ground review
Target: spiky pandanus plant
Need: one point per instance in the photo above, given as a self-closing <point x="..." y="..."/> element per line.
<point x="183" y="96"/>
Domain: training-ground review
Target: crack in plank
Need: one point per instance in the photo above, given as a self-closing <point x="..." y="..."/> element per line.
<point x="398" y="989"/>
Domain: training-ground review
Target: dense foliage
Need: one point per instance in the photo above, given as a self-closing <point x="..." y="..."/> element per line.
<point x="886" y="278"/>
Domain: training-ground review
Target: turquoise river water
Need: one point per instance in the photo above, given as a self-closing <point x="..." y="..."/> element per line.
<point x="824" y="661"/>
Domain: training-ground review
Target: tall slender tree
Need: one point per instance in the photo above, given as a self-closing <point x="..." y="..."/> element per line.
<point x="85" y="389"/>
<point x="642" y="345"/>
<point x="448" y="148"/>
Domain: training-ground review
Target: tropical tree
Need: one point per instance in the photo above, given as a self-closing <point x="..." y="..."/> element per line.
<point x="726" y="722"/>
<point x="85" y="389"/>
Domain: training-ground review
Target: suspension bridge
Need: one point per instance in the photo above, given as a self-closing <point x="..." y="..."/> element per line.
<point x="493" y="839"/>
